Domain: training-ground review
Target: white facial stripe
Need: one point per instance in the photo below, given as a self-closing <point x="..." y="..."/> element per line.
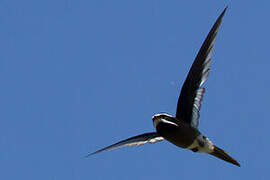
<point x="157" y="121"/>
<point x="156" y="115"/>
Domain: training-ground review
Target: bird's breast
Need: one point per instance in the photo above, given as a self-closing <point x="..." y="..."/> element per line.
<point x="181" y="135"/>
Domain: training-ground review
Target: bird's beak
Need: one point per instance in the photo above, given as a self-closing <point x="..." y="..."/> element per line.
<point x="219" y="153"/>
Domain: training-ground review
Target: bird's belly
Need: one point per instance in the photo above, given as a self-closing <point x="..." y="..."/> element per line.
<point x="181" y="136"/>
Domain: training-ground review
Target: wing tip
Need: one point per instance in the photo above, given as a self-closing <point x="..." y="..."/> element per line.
<point x="223" y="12"/>
<point x="88" y="155"/>
<point x="226" y="7"/>
<point x="91" y="154"/>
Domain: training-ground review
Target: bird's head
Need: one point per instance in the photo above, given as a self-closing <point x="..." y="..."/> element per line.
<point x="163" y="117"/>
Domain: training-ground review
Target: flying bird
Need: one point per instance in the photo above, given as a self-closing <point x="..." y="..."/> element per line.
<point x="182" y="129"/>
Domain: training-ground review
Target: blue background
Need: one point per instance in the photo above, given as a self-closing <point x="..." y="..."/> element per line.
<point x="77" y="75"/>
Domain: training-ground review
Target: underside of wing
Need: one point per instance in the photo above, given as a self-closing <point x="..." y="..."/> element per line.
<point x="133" y="141"/>
<point x="191" y="95"/>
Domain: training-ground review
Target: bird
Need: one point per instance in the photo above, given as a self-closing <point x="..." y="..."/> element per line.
<point x="182" y="129"/>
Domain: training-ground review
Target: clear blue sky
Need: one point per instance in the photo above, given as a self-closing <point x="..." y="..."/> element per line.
<point x="77" y="75"/>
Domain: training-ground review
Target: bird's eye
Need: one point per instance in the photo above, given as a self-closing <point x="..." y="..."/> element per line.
<point x="204" y="137"/>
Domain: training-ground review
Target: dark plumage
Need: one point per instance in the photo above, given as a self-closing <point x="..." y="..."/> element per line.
<point x="182" y="130"/>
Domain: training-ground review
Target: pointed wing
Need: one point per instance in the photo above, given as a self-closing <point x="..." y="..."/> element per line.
<point x="191" y="95"/>
<point x="133" y="141"/>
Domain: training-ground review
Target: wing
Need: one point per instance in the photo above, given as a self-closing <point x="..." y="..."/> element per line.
<point x="191" y="95"/>
<point x="133" y="141"/>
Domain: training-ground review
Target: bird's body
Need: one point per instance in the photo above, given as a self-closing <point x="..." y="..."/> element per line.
<point x="181" y="134"/>
<point x="177" y="132"/>
<point x="182" y="130"/>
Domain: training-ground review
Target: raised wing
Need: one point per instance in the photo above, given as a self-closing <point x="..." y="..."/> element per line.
<point x="191" y="95"/>
<point x="133" y="141"/>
